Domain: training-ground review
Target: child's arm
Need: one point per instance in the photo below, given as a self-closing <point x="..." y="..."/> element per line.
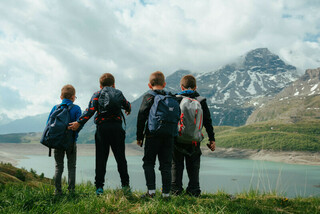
<point x="207" y="123"/>
<point x="87" y="114"/>
<point x="212" y="145"/>
<point x="126" y="105"/>
<point x="78" y="115"/>
<point x="143" y="116"/>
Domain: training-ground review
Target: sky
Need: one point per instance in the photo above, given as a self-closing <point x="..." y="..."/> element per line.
<point x="46" y="44"/>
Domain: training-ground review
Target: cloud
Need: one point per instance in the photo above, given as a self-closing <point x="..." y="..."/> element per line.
<point x="46" y="44"/>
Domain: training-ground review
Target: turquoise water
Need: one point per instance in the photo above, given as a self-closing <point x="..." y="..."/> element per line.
<point x="230" y="175"/>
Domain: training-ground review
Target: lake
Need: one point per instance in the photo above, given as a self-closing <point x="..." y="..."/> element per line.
<point x="229" y="175"/>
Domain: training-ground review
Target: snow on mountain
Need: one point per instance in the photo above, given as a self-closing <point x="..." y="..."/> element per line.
<point x="257" y="74"/>
<point x="299" y="101"/>
<point x="232" y="92"/>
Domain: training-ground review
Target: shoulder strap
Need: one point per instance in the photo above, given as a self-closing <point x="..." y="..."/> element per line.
<point x="70" y="106"/>
<point x="200" y="98"/>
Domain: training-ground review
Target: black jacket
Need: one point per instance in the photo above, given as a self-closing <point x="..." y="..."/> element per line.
<point x="194" y="149"/>
<point x="143" y="114"/>
<point x="93" y="107"/>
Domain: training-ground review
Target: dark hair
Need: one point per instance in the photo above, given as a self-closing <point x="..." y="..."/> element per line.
<point x="188" y="81"/>
<point x="68" y="91"/>
<point x="157" y="78"/>
<point x="106" y="79"/>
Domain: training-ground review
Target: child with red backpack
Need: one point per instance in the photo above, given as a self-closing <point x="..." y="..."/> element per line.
<point x="194" y="115"/>
<point x="161" y="112"/>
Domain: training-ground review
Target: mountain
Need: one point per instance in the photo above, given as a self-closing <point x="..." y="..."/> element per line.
<point x="298" y="102"/>
<point x="231" y="89"/>
<point x="235" y="90"/>
<point x="27" y="124"/>
<point x="4" y="119"/>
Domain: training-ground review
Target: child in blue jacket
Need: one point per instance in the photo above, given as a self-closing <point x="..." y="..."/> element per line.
<point x="68" y="96"/>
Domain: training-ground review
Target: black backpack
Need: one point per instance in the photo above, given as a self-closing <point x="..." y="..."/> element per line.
<point x="56" y="134"/>
<point x="110" y="101"/>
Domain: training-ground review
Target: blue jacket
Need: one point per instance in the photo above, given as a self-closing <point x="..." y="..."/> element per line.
<point x="75" y="113"/>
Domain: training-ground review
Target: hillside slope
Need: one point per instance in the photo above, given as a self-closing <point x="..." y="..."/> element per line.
<point x="301" y="136"/>
<point x="298" y="102"/>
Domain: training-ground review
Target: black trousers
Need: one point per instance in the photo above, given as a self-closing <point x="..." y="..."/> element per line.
<point x="110" y="134"/>
<point x="71" y="154"/>
<point x="161" y="147"/>
<point x="193" y="167"/>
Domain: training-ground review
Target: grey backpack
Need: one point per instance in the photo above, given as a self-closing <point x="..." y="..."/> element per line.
<point x="191" y="120"/>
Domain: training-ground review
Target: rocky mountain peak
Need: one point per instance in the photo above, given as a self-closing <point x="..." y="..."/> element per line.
<point x="263" y="61"/>
<point x="312" y="74"/>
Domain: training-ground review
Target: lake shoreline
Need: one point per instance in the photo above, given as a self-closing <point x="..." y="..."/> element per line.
<point x="289" y="157"/>
<point x="12" y="153"/>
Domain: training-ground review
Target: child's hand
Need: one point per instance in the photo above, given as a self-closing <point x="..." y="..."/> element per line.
<point x="74" y="126"/>
<point x="212" y="145"/>
<point x="139" y="143"/>
<point x="127" y="112"/>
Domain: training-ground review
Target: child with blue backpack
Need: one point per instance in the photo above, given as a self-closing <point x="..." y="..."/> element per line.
<point x="68" y="96"/>
<point x="194" y="115"/>
<point x="108" y="103"/>
<point x="161" y="112"/>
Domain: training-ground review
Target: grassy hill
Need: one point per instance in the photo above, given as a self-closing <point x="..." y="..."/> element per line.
<point x="31" y="137"/>
<point x="301" y="136"/>
<point x="289" y="110"/>
<point x="26" y="192"/>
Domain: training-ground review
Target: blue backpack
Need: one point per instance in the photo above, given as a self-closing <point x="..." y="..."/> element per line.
<point x="164" y="115"/>
<point x="56" y="134"/>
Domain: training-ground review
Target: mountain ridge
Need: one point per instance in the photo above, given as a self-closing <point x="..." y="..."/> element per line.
<point x="233" y="92"/>
<point x="300" y="101"/>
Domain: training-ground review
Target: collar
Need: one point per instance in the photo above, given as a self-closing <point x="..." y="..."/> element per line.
<point x="186" y="92"/>
<point x="66" y="101"/>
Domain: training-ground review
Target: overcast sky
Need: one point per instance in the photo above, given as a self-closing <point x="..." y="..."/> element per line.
<point x="47" y="44"/>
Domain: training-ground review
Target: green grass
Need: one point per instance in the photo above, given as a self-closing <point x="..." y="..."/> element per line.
<point x="20" y="198"/>
<point x="303" y="136"/>
<point x="36" y="195"/>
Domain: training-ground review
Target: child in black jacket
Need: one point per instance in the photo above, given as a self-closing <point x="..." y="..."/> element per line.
<point x="155" y="145"/>
<point x="109" y="131"/>
<point x="190" y="152"/>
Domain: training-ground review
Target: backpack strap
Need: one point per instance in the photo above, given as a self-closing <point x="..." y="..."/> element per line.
<point x="200" y="98"/>
<point x="70" y="106"/>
